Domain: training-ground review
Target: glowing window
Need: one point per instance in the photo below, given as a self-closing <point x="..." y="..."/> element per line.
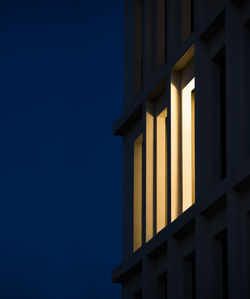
<point x="182" y="144"/>
<point x="156" y="169"/>
<point x="150" y="212"/>
<point x="161" y="170"/>
<point x="188" y="142"/>
<point x="137" y="193"/>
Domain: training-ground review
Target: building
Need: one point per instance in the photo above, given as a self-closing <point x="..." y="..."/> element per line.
<point x="186" y="132"/>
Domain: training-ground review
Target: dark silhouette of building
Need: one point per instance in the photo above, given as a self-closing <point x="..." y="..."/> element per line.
<point x="186" y="132"/>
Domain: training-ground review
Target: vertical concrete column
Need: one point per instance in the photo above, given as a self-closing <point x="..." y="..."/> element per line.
<point x="174" y="14"/>
<point x="201" y="130"/>
<point x="237" y="246"/>
<point x="204" y="262"/>
<point x="206" y="122"/>
<point x="160" y="43"/>
<point x="175" y="269"/>
<point x="246" y="84"/>
<point x="149" y="287"/>
<point x="196" y="13"/>
<point x="185" y="19"/>
<point x="201" y="8"/>
<point x="125" y="291"/>
<point x="247" y="257"/>
<point x="236" y="139"/>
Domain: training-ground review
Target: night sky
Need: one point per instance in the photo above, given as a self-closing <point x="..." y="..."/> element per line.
<point x="61" y="89"/>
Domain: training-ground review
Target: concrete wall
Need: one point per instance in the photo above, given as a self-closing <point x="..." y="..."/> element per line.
<point x="204" y="252"/>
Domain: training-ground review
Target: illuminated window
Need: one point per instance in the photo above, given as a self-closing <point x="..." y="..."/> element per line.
<point x="150" y="211"/>
<point x="175" y="149"/>
<point x="182" y="137"/>
<point x="156" y="170"/>
<point x="161" y="170"/>
<point x="188" y="143"/>
<point x="137" y="193"/>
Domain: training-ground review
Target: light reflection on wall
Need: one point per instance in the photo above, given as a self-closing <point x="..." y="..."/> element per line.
<point x="175" y="150"/>
<point x="187" y="145"/>
<point x="137" y="193"/>
<point x="182" y="143"/>
<point x="149" y="174"/>
<point x="161" y="170"/>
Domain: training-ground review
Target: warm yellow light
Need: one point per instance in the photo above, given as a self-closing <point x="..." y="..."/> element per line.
<point x="182" y="145"/>
<point x="161" y="170"/>
<point x="187" y="145"/>
<point x="175" y="151"/>
<point x="137" y="193"/>
<point x="149" y="176"/>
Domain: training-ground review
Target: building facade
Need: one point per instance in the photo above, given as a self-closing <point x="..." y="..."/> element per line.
<point x="186" y="167"/>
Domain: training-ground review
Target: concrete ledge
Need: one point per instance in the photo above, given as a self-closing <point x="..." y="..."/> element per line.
<point x="126" y="120"/>
<point x="213" y="201"/>
<point x="214" y="27"/>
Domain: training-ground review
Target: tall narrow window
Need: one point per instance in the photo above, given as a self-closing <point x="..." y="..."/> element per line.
<point x="150" y="137"/>
<point x="182" y="135"/>
<point x="138" y="45"/>
<point x="188" y="144"/>
<point x="161" y="170"/>
<point x="175" y="147"/>
<point x="156" y="167"/>
<point x="138" y="192"/>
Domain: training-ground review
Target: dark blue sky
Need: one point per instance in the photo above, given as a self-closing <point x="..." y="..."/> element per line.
<point x="61" y="89"/>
